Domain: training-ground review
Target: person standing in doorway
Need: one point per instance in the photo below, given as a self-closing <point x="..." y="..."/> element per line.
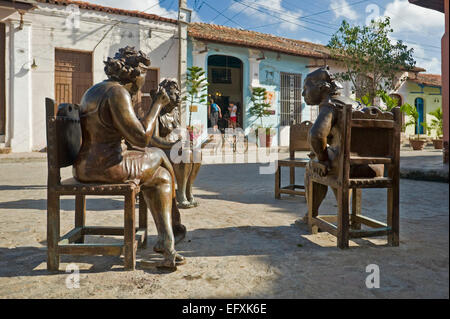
<point x="215" y="114"/>
<point x="233" y="114"/>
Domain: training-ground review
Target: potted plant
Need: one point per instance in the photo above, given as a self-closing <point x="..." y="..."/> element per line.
<point x="195" y="85"/>
<point x="260" y="109"/>
<point x="416" y="143"/>
<point x="436" y="124"/>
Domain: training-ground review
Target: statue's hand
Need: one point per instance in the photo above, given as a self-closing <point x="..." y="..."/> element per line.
<point x="162" y="97"/>
<point x="321" y="168"/>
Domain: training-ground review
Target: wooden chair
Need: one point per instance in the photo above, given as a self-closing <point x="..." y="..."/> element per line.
<point x="63" y="144"/>
<point x="298" y="141"/>
<point x="369" y="137"/>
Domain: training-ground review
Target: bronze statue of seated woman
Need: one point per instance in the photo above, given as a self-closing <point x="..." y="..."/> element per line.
<point x="167" y="134"/>
<point x="107" y="117"/>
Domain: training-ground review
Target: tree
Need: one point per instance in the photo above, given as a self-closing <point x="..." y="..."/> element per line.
<point x="370" y="58"/>
<point x="260" y="108"/>
<point x="195" y="85"/>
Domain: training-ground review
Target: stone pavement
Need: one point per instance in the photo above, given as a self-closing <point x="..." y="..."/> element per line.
<point x="420" y="165"/>
<point x="241" y="243"/>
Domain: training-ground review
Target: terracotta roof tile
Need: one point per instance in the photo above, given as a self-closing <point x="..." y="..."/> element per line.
<point x="428" y="79"/>
<point x="95" y="7"/>
<point x="252" y="39"/>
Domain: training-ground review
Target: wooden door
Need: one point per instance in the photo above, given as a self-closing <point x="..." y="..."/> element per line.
<point x="419" y="106"/>
<point x="2" y="79"/>
<point x="73" y="75"/>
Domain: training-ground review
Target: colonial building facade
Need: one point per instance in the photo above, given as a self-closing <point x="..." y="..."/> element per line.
<point x="56" y="49"/>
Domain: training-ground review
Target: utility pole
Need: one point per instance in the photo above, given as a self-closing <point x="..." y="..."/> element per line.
<point x="184" y="18"/>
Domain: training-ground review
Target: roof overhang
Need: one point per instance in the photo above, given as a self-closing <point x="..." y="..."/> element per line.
<point x="437" y="5"/>
<point x="17" y="5"/>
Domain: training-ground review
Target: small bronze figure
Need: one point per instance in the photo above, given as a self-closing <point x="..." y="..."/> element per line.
<point x="107" y="117"/>
<point x="321" y="89"/>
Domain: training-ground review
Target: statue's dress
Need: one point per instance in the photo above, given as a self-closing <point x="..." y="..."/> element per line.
<point x="102" y="157"/>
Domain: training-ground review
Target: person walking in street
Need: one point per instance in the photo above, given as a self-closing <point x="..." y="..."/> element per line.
<point x="215" y="114"/>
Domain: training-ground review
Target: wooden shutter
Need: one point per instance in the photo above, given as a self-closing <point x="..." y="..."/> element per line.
<point x="73" y="75"/>
<point x="144" y="99"/>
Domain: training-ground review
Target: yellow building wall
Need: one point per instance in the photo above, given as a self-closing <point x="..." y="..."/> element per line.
<point x="432" y="99"/>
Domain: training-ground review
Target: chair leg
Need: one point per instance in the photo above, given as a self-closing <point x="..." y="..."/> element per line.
<point x="53" y="231"/>
<point x="393" y="219"/>
<point x="129" y="232"/>
<point x="292" y="177"/>
<point x="343" y="218"/>
<point x="277" y="182"/>
<point x="356" y="207"/>
<point x="313" y="210"/>
<point x="80" y="214"/>
<point x="143" y="222"/>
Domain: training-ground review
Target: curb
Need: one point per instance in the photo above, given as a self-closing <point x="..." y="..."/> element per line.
<point x="430" y="175"/>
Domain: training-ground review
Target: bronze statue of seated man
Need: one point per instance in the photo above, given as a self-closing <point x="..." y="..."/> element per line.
<point x="320" y="88"/>
<point x="107" y="117"/>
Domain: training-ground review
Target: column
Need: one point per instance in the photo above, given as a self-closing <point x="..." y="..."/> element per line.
<point x="445" y="80"/>
<point x="254" y="71"/>
<point x="20" y="87"/>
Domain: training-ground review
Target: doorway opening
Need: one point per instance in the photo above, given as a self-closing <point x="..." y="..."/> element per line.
<point x="419" y="107"/>
<point x="225" y="86"/>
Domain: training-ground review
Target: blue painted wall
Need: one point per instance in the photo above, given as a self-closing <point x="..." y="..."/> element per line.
<point x="285" y="63"/>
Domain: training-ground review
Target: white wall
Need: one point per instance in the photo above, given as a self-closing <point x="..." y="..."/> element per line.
<point x="49" y="31"/>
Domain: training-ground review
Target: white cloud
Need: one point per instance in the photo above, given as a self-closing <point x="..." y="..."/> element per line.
<point x="150" y="6"/>
<point x="342" y="9"/>
<point x="254" y="10"/>
<point x="311" y="40"/>
<point x="432" y="65"/>
<point x="424" y="59"/>
<point x="408" y="17"/>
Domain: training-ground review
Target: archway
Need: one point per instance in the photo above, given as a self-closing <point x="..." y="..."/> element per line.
<point x="225" y="80"/>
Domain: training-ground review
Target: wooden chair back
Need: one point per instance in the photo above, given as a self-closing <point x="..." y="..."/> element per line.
<point x="63" y="137"/>
<point x="298" y="137"/>
<point x="370" y="136"/>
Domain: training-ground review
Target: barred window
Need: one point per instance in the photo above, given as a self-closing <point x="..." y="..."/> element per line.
<point x="290" y="98"/>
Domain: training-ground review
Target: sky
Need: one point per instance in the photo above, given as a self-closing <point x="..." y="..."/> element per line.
<point x="311" y="20"/>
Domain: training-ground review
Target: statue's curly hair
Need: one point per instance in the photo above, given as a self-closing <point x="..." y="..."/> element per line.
<point x="323" y="78"/>
<point x="166" y="83"/>
<point x="126" y="65"/>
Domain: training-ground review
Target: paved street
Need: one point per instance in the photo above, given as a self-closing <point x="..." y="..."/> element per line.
<point x="241" y="242"/>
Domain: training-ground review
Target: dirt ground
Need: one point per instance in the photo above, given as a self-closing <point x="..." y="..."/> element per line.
<point x="241" y="243"/>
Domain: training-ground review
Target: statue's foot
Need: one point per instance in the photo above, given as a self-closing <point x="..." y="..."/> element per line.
<point x="185" y="204"/>
<point x="192" y="201"/>
<point x="182" y="201"/>
<point x="171" y="261"/>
